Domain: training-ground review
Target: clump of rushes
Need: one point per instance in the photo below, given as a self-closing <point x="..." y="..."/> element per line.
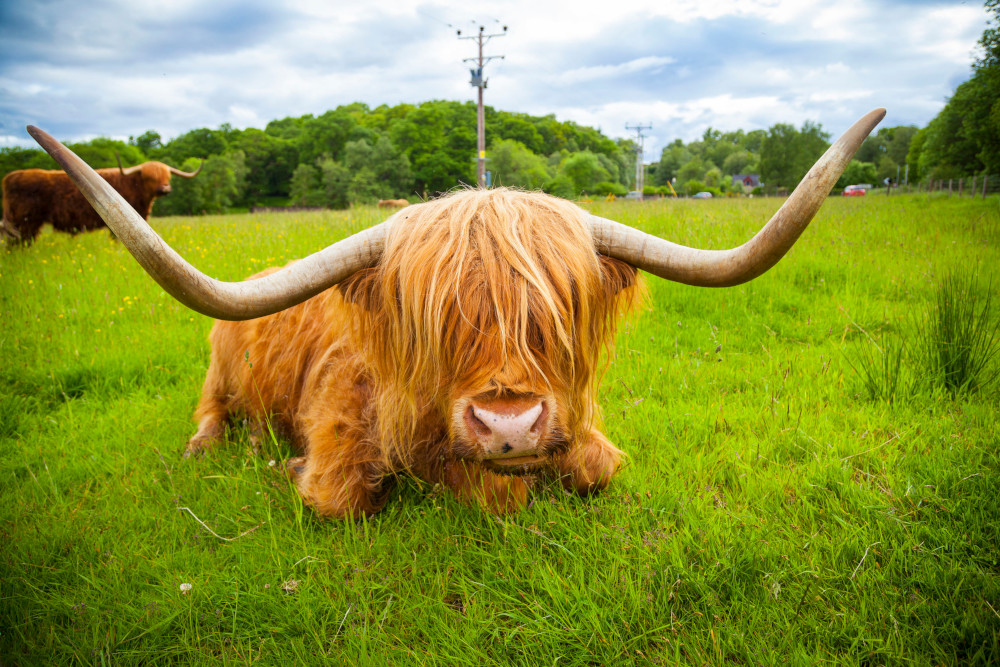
<point x="881" y="368"/>
<point x="952" y="346"/>
<point x="961" y="335"/>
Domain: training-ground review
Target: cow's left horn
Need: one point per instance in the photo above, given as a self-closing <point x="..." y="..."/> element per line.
<point x="723" y="268"/>
<point x="226" y="301"/>
<point x="186" y="174"/>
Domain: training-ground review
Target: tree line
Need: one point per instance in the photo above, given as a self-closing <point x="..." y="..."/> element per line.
<point x="357" y="154"/>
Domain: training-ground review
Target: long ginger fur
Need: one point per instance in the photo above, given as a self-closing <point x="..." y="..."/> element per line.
<point x="480" y="293"/>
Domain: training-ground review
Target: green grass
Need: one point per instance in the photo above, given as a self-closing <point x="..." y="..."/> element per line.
<point x="770" y="512"/>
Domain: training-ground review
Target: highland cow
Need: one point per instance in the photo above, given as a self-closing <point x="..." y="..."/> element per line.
<point x="461" y="341"/>
<point x="32" y="197"/>
<point x="392" y="203"/>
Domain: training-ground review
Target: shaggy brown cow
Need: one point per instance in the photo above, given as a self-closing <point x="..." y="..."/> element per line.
<point x="32" y="197"/>
<point x="462" y="344"/>
<point x="392" y="203"/>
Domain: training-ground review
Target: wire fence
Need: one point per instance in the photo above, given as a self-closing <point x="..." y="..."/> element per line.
<point x="969" y="186"/>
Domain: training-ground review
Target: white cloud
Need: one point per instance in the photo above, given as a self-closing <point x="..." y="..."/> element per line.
<point x="584" y="74"/>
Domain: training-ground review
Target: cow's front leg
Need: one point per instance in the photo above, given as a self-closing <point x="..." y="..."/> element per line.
<point x="588" y="466"/>
<point x="340" y="478"/>
<point x="474" y="485"/>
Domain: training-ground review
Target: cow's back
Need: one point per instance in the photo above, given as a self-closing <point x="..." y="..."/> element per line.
<point x="33" y="197"/>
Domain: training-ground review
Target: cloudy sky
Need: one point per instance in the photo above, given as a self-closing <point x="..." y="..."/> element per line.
<point x="120" y="67"/>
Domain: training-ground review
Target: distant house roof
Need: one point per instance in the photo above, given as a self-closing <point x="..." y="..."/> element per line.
<point x="749" y="180"/>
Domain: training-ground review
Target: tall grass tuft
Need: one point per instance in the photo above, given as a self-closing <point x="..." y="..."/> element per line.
<point x="961" y="335"/>
<point x="881" y="368"/>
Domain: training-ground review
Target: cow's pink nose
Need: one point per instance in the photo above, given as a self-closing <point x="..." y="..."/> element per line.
<point x="507" y="430"/>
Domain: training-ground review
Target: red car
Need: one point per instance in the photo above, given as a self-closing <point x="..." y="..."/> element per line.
<point x="854" y="191"/>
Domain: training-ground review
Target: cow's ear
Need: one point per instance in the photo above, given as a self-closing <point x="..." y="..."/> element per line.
<point x="360" y="288"/>
<point x="616" y="275"/>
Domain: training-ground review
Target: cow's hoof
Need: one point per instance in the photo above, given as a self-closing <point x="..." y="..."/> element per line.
<point x="294" y="466"/>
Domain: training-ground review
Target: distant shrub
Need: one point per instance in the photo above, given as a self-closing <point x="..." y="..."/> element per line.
<point x="609" y="188"/>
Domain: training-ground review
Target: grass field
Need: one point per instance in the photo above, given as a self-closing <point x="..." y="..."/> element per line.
<point x="771" y="511"/>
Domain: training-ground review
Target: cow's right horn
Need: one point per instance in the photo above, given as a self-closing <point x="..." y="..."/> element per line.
<point x="186" y="174"/>
<point x="723" y="268"/>
<point x="222" y="300"/>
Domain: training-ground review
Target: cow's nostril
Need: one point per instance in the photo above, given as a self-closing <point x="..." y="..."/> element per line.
<point x="543" y="418"/>
<point x="506" y="447"/>
<point x="477" y="425"/>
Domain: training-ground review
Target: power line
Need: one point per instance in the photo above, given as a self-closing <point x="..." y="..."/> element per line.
<point x="479" y="81"/>
<point x="639" y="137"/>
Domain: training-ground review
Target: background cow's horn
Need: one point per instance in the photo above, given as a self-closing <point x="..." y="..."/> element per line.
<point x="722" y="268"/>
<point x="186" y="174"/>
<point x="227" y="301"/>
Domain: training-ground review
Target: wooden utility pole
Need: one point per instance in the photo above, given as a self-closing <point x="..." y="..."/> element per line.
<point x="479" y="81"/>
<point x="639" y="136"/>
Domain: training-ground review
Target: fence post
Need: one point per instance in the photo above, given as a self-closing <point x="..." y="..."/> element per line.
<point x="986" y="177"/>
<point x="949" y="187"/>
<point x="974" y="186"/>
<point x="961" y="182"/>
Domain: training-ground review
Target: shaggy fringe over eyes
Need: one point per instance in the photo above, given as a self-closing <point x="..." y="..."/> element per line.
<point x="487" y="291"/>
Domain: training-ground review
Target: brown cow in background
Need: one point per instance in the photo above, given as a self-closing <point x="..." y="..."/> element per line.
<point x="392" y="203"/>
<point x="32" y="197"/>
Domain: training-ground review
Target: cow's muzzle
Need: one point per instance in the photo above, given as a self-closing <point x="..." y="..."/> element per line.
<point x="508" y="431"/>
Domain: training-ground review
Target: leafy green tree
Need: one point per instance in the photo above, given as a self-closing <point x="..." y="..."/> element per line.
<point x="365" y="187"/>
<point x="518" y="127"/>
<point x="102" y="152"/>
<point x="325" y="135"/>
<point x="335" y="183"/>
<point x="584" y="169"/>
<point x="672" y="158"/>
<point x="713" y="177"/>
<point x="915" y="153"/>
<point x="270" y="162"/>
<point x="694" y="186"/>
<point x="439" y="139"/>
<point x="148" y="142"/>
<point x="786" y="154"/>
<point x="693" y="169"/>
<point x="200" y="143"/>
<point x="562" y="186"/>
<point x="213" y="190"/>
<point x="739" y="162"/>
<point x="609" y="188"/>
<point x="514" y="165"/>
<point x="304" y="190"/>
<point x="388" y="168"/>
<point x="858" y="172"/>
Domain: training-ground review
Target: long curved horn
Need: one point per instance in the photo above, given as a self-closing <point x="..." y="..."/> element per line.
<point x="120" y="167"/>
<point x="723" y="268"/>
<point x="222" y="300"/>
<point x="186" y="174"/>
